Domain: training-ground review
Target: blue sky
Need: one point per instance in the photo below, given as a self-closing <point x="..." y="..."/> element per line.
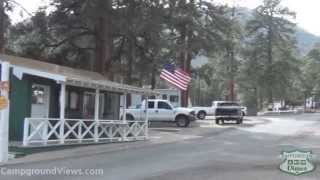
<point x="307" y="10"/>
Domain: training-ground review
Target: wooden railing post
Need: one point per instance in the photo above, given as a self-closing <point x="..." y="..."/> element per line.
<point x="96" y="115"/>
<point x="80" y="131"/>
<point x="62" y="111"/>
<point x="44" y="133"/>
<point x="124" y="119"/>
<point x="25" y="132"/>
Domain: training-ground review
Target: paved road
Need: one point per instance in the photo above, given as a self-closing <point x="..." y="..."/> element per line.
<point x="209" y="152"/>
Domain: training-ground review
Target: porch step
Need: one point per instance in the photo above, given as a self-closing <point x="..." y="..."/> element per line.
<point x="21" y="150"/>
<point x="13" y="155"/>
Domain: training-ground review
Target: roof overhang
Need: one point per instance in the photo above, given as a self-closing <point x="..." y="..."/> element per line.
<point x="116" y="87"/>
<point x="70" y="76"/>
<point x="20" y="71"/>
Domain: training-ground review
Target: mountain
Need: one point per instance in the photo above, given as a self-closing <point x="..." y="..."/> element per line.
<point x="305" y="41"/>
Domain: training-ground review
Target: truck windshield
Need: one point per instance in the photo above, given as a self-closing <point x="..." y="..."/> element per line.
<point x="228" y="104"/>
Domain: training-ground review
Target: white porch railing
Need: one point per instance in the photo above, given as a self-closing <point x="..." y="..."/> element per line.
<point x="44" y="131"/>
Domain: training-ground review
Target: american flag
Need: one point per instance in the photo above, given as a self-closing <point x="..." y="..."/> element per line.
<point x="176" y="77"/>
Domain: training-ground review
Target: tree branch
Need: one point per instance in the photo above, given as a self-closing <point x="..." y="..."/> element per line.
<point x="70" y="38"/>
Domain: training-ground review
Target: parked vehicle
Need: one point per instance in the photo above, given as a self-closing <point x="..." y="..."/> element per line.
<point x="162" y="110"/>
<point x="222" y="110"/>
<point x="172" y="95"/>
<point x="227" y="110"/>
<point x="202" y="112"/>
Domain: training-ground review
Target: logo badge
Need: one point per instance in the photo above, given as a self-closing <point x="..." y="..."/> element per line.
<point x="297" y="162"/>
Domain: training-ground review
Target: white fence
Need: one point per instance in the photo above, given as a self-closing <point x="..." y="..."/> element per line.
<point x="44" y="131"/>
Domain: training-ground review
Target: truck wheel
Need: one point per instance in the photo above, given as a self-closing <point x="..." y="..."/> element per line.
<point x="201" y="115"/>
<point x="182" y="121"/>
<point x="129" y="117"/>
<point x="219" y="121"/>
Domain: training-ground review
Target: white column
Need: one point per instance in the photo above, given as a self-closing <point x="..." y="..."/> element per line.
<point x="4" y="116"/>
<point x="124" y="109"/>
<point x="62" y="110"/>
<point x="124" y="118"/>
<point x="147" y="117"/>
<point x="96" y="115"/>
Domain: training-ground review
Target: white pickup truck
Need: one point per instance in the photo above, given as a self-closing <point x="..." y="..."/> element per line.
<point x="202" y="112"/>
<point x="162" y="110"/>
<point x="222" y="110"/>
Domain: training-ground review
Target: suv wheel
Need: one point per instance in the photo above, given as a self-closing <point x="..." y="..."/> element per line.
<point x="201" y="115"/>
<point x="182" y="121"/>
<point x="219" y="121"/>
<point x="239" y="121"/>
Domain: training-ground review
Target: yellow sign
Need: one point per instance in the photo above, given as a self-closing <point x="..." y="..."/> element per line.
<point x="4" y="85"/>
<point x="3" y="102"/>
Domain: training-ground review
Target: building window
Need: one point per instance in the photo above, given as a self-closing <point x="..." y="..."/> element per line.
<point x="109" y="106"/>
<point x="74" y="98"/>
<point x="174" y="98"/>
<point x="164" y="97"/>
<point x="37" y="95"/>
<point x="88" y="105"/>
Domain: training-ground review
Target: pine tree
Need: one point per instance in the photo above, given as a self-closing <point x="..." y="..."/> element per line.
<point x="271" y="27"/>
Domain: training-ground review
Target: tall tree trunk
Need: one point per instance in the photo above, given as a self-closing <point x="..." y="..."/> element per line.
<point x="230" y="52"/>
<point x="261" y="100"/>
<point x="256" y="101"/>
<point x="182" y="61"/>
<point x="2" y="26"/>
<point x="230" y="56"/>
<point x="153" y="76"/>
<point x="305" y="101"/>
<point x="131" y="58"/>
<point x="104" y="41"/>
<point x="270" y="61"/>
<point x="186" y="64"/>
